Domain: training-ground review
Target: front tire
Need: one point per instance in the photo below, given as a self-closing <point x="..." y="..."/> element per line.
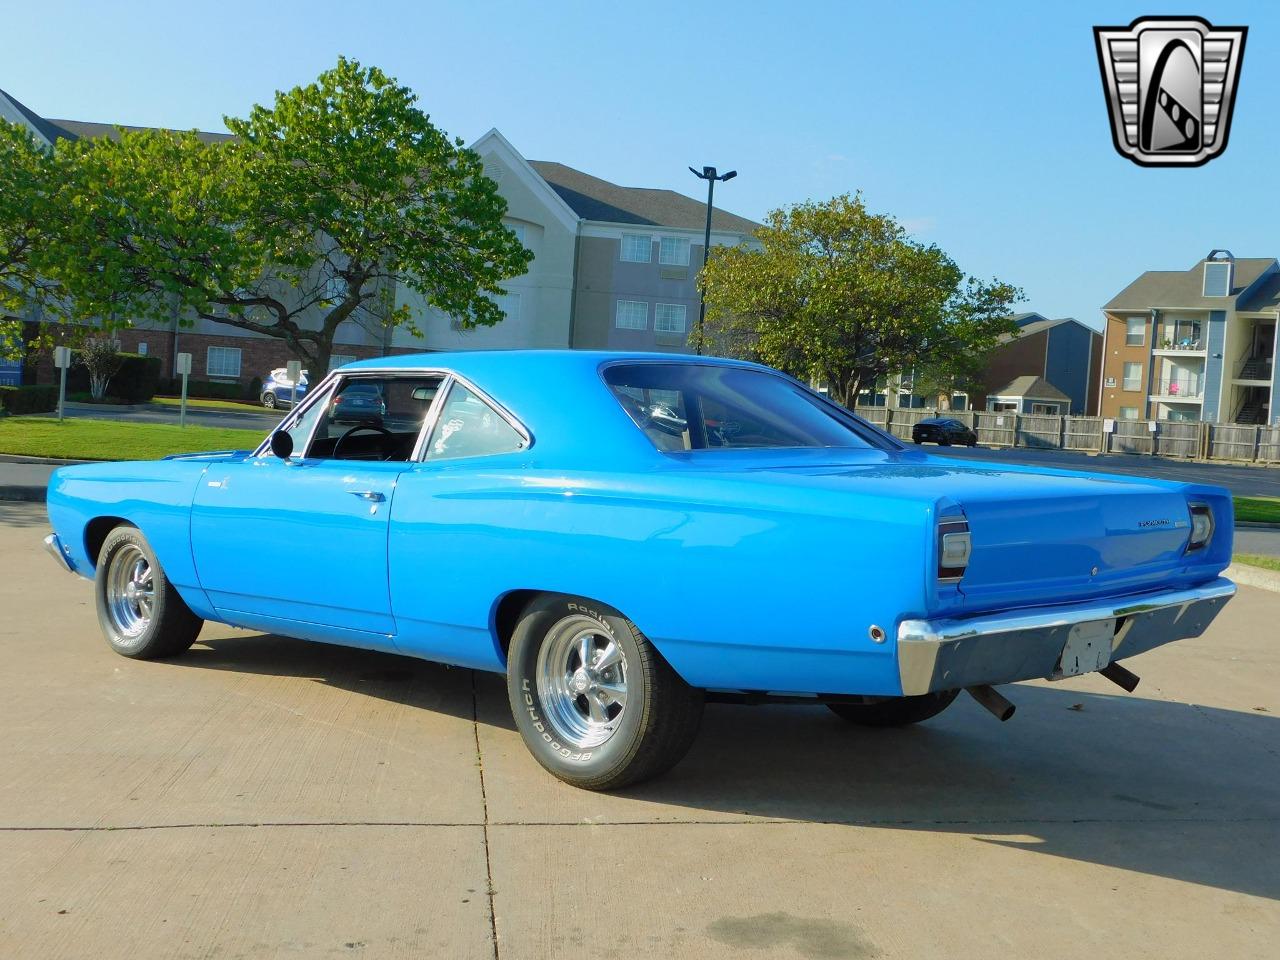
<point x="898" y="712"/>
<point x="141" y="614"/>
<point x="593" y="699"/>
<point x="269" y="400"/>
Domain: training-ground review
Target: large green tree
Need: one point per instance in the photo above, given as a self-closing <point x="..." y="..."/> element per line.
<point x="844" y="296"/>
<point x="27" y="189"/>
<point x="313" y="214"/>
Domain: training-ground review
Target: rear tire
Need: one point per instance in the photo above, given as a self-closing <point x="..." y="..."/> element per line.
<point x="593" y="699"/>
<point x="898" y="712"/>
<point x="141" y="614"/>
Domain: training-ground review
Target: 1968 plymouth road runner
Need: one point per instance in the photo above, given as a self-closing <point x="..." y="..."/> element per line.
<point x="628" y="536"/>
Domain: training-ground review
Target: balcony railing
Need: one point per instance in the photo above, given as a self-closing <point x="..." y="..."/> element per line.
<point x="1183" y="386"/>
<point x="1179" y="336"/>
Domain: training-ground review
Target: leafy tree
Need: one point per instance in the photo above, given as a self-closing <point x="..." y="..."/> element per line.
<point x="313" y="214"/>
<point x="101" y="358"/>
<point x="842" y="295"/>
<point x="27" y="187"/>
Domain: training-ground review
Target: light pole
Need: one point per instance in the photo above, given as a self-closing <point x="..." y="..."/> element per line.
<point x="708" y="174"/>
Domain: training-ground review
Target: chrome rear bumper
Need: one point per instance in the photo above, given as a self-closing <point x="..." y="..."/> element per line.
<point x="1028" y="644"/>
<point x="54" y="546"/>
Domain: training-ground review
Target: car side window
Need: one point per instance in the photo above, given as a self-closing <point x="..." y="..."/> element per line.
<point x="469" y="427"/>
<point x="298" y="425"/>
<point x="373" y="417"/>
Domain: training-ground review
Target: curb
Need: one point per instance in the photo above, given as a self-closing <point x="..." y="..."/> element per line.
<point x="22" y="494"/>
<point x="49" y="461"/>
<point x="1253" y="576"/>
<point x="1256" y="525"/>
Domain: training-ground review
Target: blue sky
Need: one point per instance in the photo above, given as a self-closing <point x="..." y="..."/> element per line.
<point x="981" y="127"/>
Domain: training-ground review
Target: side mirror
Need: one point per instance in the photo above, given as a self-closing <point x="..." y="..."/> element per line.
<point x="282" y="444"/>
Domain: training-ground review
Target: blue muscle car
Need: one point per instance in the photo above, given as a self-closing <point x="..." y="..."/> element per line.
<point x="628" y="536"/>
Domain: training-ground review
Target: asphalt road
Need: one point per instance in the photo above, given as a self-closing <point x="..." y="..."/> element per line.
<point x="1242" y="480"/>
<point x="265" y="797"/>
<point x="252" y="418"/>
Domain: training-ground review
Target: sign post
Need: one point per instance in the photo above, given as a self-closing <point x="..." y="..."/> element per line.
<point x="293" y="370"/>
<point x="182" y="364"/>
<point x="62" y="360"/>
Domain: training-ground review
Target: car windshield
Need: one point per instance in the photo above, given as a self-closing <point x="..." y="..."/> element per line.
<point x="693" y="406"/>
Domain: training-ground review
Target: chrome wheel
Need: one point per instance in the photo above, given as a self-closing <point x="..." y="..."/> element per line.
<point x="269" y="400"/>
<point x="130" y="592"/>
<point x="582" y="681"/>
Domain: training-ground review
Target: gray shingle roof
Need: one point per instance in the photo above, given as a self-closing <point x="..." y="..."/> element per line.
<point x="1037" y="388"/>
<point x="1266" y="296"/>
<point x="47" y="129"/>
<point x="1171" y="289"/>
<point x="75" y="129"/>
<point x="594" y="199"/>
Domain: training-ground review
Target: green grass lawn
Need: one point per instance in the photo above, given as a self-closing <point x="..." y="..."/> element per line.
<point x="1257" y="560"/>
<point x="1257" y="509"/>
<point x="244" y="406"/>
<point x="111" y="440"/>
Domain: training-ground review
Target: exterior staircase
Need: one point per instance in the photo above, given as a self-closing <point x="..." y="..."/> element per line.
<point x="1256" y="368"/>
<point x="1252" y="412"/>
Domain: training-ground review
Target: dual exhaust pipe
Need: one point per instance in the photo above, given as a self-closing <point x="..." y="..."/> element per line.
<point x="1002" y="709"/>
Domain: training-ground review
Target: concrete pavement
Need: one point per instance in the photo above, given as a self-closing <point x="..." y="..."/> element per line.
<point x="263" y="797"/>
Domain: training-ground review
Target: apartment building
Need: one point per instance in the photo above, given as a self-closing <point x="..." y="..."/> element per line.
<point x="614" y="267"/>
<point x="1195" y="344"/>
<point x="1064" y="354"/>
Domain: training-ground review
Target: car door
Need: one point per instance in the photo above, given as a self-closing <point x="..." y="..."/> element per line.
<point x="303" y="541"/>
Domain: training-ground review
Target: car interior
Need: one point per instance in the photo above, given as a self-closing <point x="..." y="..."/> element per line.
<point x="372" y="418"/>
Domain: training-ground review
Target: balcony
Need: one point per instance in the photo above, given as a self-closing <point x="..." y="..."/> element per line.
<point x="1179" y="338"/>
<point x="1186" y="387"/>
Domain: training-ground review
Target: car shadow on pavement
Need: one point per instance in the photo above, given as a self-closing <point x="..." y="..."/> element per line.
<point x="1169" y="789"/>
<point x="22" y="515"/>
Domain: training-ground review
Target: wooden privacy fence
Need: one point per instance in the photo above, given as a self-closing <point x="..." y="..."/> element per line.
<point x="1180" y="439"/>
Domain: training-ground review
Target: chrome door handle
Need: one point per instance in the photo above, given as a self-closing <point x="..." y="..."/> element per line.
<point x="373" y="496"/>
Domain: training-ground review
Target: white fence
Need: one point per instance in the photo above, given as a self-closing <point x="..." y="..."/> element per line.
<point x="1178" y="439"/>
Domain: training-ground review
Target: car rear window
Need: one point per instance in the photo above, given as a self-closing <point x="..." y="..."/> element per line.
<point x="692" y="406"/>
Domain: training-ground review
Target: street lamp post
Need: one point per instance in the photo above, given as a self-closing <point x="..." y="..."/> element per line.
<point x="708" y="174"/>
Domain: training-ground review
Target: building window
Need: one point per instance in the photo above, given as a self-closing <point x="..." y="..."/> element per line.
<point x="1128" y="413"/>
<point x="337" y="360"/>
<point x="142" y="348"/>
<point x="674" y="251"/>
<point x="632" y="315"/>
<point x="637" y="247"/>
<point x="335" y="289"/>
<point x="223" y="362"/>
<point x="669" y="318"/>
<point x="510" y="304"/>
<point x="1132" y="376"/>
<point x="518" y="230"/>
<point x="1135" y="331"/>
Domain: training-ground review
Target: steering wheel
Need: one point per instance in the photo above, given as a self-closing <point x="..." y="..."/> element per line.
<point x="376" y="428"/>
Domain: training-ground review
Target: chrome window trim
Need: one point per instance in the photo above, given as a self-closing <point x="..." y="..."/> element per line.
<point x="448" y="378"/>
<point x="421" y="455"/>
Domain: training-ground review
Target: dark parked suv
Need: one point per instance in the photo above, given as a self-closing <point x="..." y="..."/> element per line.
<point x="944" y="431"/>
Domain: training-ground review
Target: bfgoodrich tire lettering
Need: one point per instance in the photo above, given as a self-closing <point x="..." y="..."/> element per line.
<point x="141" y="614"/>
<point x="594" y="701"/>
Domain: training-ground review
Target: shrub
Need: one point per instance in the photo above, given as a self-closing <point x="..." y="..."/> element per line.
<point x="30" y="399"/>
<point x="136" y="381"/>
<point x="254" y="390"/>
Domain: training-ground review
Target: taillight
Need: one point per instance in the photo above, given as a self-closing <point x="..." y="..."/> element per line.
<point x="1201" y="527"/>
<point x="954" y="547"/>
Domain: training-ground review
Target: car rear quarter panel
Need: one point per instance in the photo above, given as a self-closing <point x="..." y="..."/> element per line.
<point x="740" y="585"/>
<point x="153" y="496"/>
